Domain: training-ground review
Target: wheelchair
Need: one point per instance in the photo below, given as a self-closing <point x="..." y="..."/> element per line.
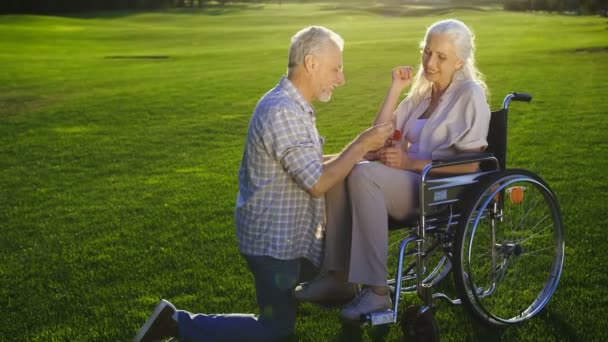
<point x="499" y="232"/>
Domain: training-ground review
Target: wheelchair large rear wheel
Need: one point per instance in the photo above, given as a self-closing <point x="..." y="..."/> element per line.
<point x="509" y="248"/>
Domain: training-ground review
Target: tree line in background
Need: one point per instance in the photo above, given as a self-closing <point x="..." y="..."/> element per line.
<point x="66" y="6"/>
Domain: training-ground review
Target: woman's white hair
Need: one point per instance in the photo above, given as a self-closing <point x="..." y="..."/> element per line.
<point x="464" y="43"/>
<point x="309" y="41"/>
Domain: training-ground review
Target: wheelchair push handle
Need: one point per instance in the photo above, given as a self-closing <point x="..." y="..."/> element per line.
<point x="522" y="97"/>
<point x="516" y="97"/>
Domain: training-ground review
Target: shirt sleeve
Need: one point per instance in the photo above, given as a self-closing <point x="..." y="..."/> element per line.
<point x="288" y="139"/>
<point x="401" y="113"/>
<point x="477" y="118"/>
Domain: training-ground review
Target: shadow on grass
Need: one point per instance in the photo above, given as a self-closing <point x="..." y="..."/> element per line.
<point x="379" y="333"/>
<point x="400" y="10"/>
<point x="349" y="332"/>
<point x="217" y="9"/>
<point x="479" y="331"/>
<point x="594" y="49"/>
<point x="354" y="333"/>
<point x="469" y="328"/>
<point x="559" y="324"/>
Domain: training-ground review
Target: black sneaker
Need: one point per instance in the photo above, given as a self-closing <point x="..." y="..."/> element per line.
<point x="160" y="325"/>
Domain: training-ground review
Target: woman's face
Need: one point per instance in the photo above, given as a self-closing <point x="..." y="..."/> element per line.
<point x="439" y="59"/>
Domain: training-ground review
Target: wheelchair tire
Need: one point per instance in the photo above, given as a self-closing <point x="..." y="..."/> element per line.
<point x="509" y="248"/>
<point x="419" y="326"/>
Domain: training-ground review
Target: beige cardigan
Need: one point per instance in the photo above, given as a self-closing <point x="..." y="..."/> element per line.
<point x="459" y="123"/>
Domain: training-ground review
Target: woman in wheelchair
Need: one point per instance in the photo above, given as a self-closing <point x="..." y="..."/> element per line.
<point x="445" y="113"/>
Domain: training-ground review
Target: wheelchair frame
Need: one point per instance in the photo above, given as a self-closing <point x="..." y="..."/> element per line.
<point x="456" y="212"/>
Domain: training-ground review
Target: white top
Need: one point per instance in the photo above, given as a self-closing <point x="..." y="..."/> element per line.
<point x="459" y="123"/>
<point x="413" y="135"/>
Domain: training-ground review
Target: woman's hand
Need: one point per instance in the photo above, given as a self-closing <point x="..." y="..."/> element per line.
<point x="402" y="77"/>
<point x="394" y="157"/>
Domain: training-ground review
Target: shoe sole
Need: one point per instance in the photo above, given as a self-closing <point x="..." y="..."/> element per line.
<point x="351" y="322"/>
<point x="159" y="308"/>
<point x="338" y="300"/>
<point x="332" y="303"/>
<point x="362" y="318"/>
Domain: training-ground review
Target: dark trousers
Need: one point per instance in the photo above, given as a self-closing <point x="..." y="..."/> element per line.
<point x="274" y="282"/>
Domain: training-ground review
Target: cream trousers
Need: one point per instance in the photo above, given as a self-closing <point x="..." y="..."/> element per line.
<point x="357" y="211"/>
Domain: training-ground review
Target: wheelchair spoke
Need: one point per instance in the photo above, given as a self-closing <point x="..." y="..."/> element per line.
<point x="538" y="251"/>
<point x="538" y="234"/>
<point x="525" y="215"/>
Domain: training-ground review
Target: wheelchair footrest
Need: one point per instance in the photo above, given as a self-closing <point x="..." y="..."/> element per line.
<point x="379" y="317"/>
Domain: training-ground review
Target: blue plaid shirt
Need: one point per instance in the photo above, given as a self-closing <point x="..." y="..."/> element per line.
<point x="283" y="157"/>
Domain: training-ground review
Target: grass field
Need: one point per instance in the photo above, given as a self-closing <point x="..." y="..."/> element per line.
<point x="121" y="136"/>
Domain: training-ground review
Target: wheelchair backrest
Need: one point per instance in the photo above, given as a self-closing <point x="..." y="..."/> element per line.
<point x="446" y="195"/>
<point x="497" y="137"/>
<point x="442" y="199"/>
<point x="497" y="133"/>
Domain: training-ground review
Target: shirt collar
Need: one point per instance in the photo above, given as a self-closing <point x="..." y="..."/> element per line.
<point x="294" y="94"/>
<point x="455" y="84"/>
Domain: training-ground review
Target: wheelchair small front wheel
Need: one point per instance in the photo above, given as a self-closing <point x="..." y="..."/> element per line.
<point x="509" y="248"/>
<point x="419" y="325"/>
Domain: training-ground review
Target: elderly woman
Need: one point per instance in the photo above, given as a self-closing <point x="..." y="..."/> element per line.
<point x="445" y="113"/>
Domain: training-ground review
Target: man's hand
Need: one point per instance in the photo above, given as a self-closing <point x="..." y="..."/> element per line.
<point x="375" y="137"/>
<point x="402" y="77"/>
<point x="336" y="169"/>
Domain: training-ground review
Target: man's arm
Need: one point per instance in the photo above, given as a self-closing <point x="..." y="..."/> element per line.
<point x="329" y="157"/>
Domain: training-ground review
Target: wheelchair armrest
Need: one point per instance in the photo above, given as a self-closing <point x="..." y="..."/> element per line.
<point x="462" y="158"/>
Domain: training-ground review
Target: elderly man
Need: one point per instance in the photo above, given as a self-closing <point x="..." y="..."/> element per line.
<point x="280" y="205"/>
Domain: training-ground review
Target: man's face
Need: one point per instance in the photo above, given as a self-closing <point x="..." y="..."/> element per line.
<point x="329" y="74"/>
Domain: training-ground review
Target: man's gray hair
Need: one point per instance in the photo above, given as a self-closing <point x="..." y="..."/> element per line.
<point x="309" y="41"/>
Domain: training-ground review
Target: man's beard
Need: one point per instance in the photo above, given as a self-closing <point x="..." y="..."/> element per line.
<point x="324" y="96"/>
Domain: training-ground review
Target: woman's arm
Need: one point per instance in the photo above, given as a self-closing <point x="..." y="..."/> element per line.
<point x="401" y="78"/>
<point x="397" y="158"/>
<point x="473" y="113"/>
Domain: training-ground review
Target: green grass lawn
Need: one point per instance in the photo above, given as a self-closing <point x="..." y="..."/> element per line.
<point x="118" y="175"/>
